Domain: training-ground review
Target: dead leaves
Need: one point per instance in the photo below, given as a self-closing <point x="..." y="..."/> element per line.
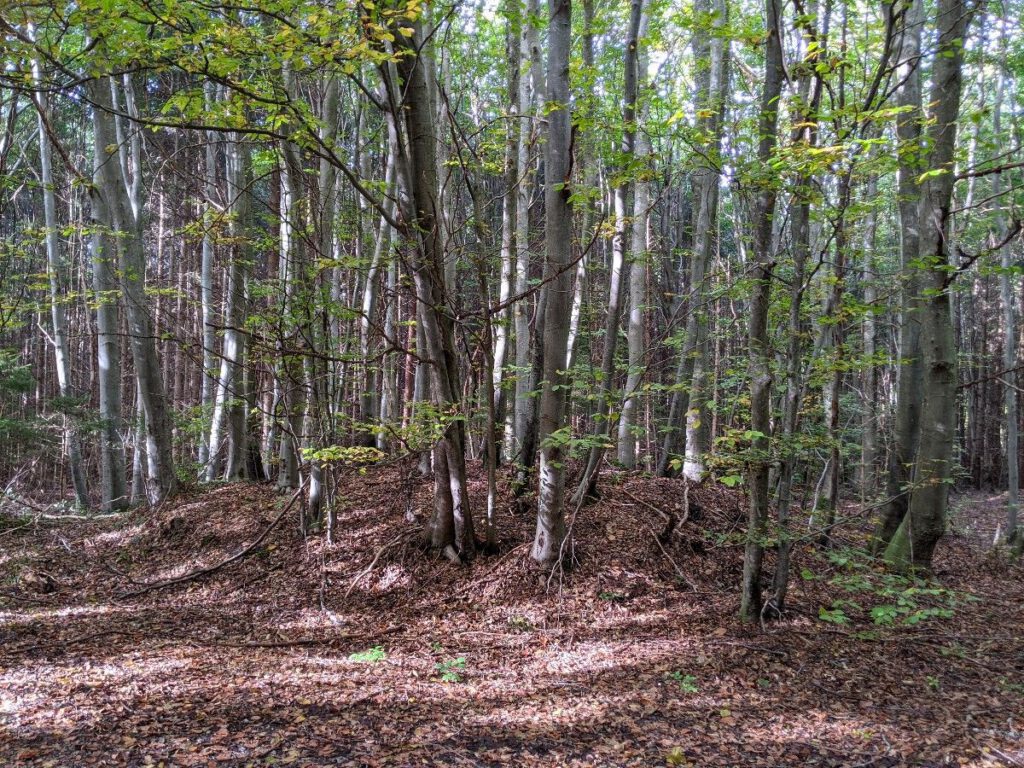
<point x="260" y="664"/>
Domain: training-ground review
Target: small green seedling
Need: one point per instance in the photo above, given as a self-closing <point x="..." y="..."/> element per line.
<point x="371" y="656"/>
<point x="447" y="669"/>
<point x="687" y="683"/>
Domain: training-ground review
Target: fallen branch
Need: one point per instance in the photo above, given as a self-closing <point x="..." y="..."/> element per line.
<point x="224" y="563"/>
<point x="71" y="641"/>
<point x="679" y="571"/>
<point x="376" y="558"/>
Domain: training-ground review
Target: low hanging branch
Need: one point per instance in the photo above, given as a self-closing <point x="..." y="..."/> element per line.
<point x="970" y="258"/>
<point x="224" y="563"/>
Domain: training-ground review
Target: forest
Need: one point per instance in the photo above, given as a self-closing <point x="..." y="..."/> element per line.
<point x="391" y="382"/>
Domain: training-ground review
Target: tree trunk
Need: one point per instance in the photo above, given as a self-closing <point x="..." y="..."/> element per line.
<point x="514" y="10"/>
<point x="924" y="524"/>
<point x="1011" y="413"/>
<point x="56" y="278"/>
<point x="209" y="380"/>
<point x="228" y="427"/>
<point x="114" y="188"/>
<point x="805" y="135"/>
<point x="908" y="397"/>
<point x="603" y="422"/>
<point x="108" y="352"/>
<point x="712" y="85"/>
<point x="522" y="445"/>
<point x="451" y="523"/>
<point x="759" y="347"/>
<point x="553" y="432"/>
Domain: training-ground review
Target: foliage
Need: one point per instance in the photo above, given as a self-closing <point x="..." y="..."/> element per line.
<point x="687" y="683"/>
<point x="891" y="599"/>
<point x="370" y="656"/>
<point x="449" y="669"/>
<point x="16" y="430"/>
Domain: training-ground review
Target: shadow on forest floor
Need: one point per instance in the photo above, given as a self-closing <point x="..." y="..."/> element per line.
<point x="303" y="654"/>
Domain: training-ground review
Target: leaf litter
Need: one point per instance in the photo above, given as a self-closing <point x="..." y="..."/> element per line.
<point x="371" y="652"/>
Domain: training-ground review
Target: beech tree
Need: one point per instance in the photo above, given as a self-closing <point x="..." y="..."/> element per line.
<point x="763" y="246"/>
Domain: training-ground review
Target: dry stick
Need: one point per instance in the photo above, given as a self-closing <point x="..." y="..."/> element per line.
<point x="234" y="558"/>
<point x="381" y="551"/>
<point x="1008" y="758"/>
<point x="668" y="557"/>
<point x="647" y="504"/>
<point x="71" y="641"/>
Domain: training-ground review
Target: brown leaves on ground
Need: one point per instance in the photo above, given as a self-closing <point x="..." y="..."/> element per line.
<point x="302" y="654"/>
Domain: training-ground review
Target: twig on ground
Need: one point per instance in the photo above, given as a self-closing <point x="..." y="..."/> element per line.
<point x="72" y="641"/>
<point x="679" y="571"/>
<point x="224" y="563"/>
<point x="398" y="539"/>
<point x="761" y="648"/>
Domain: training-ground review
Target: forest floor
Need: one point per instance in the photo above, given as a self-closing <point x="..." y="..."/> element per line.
<point x="371" y="652"/>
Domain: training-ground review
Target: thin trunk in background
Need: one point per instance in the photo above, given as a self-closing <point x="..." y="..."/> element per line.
<point x="209" y="381"/>
<point x="712" y="88"/>
<point x="56" y="277"/>
<point x="513" y="31"/>
<point x="639" y="256"/>
<point x="522" y="445"/>
<point x="602" y="435"/>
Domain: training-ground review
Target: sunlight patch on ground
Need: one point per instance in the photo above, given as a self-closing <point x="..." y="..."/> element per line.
<point x="20" y="617"/>
<point x="52" y="696"/>
<point x="117" y="537"/>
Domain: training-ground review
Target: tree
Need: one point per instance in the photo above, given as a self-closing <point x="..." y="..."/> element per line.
<point x="914" y="542"/>
<point x="553" y="431"/>
<point x="759" y="349"/>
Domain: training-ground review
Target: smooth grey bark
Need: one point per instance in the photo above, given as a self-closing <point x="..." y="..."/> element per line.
<point x="639" y="248"/>
<point x="521" y="442"/>
<point x="288" y="374"/>
<point x="908" y="401"/>
<point x="832" y="338"/>
<point x="115" y="190"/>
<point x="207" y="259"/>
<point x="914" y="542"/>
<point x="551" y="529"/>
<point x="389" y="394"/>
<point x="55" y="272"/>
<point x="603" y="422"/>
<point x="319" y="416"/>
<point x="490" y="457"/>
<point x="507" y="255"/>
<point x="451" y="524"/>
<point x="371" y="295"/>
<point x="589" y="171"/>
<point x="227" y="428"/>
<point x="759" y="348"/>
<point x="869" y="336"/>
<point x="1011" y="413"/>
<point x="139" y="461"/>
<point x="103" y="255"/>
<point x="713" y="86"/>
